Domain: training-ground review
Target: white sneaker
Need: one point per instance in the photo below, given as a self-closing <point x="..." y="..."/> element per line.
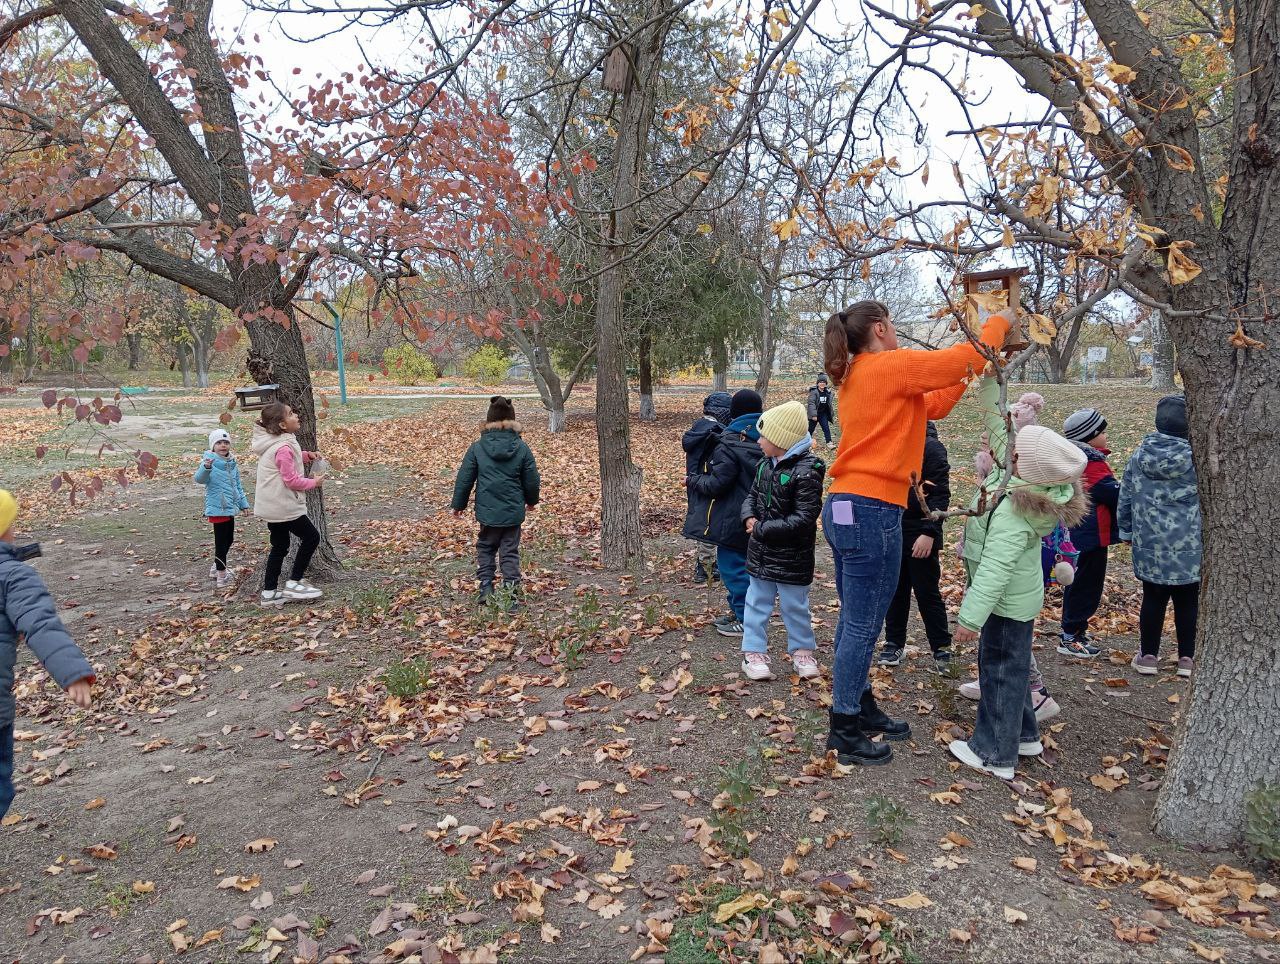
<point x="272" y="597"/>
<point x="971" y="690"/>
<point x="300" y="589"/>
<point x="225" y="578"/>
<point x="960" y="750"/>
<point x="804" y="664"/>
<point x="755" y="666"/>
<point x="1030" y="749"/>
<point x="213" y="570"/>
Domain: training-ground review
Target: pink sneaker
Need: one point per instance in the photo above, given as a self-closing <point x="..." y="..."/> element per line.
<point x="1185" y="665"/>
<point x="804" y="664"/>
<point x="755" y="666"/>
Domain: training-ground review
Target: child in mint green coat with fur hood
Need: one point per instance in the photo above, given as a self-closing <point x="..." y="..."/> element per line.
<point x="1006" y="588"/>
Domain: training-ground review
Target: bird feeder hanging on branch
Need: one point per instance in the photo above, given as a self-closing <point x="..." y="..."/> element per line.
<point x="256" y="397"/>
<point x="617" y="69"/>
<point x="1010" y="286"/>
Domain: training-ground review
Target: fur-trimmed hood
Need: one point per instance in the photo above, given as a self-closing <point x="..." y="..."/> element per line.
<point x="501" y="440"/>
<point x="1065" y="504"/>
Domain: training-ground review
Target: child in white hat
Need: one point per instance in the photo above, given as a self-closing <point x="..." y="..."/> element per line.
<point x="781" y="517"/>
<point x="224" y="498"/>
<point x="1006" y="593"/>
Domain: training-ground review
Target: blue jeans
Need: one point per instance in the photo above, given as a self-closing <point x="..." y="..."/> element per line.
<point x="824" y="420"/>
<point x="865" y="536"/>
<point x="1006" y="714"/>
<point x="6" y="768"/>
<point x="733" y="573"/>
<point x="795" y="616"/>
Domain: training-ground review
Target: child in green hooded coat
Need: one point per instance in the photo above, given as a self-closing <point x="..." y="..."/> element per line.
<point x="1006" y="589"/>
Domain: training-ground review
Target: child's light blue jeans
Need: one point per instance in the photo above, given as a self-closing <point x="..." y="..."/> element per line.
<point x="795" y="616"/>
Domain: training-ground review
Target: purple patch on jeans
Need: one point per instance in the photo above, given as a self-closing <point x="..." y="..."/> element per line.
<point x="842" y="512"/>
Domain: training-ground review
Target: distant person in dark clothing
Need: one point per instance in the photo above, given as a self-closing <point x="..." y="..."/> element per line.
<point x="921" y="572"/>
<point x="821" y="408"/>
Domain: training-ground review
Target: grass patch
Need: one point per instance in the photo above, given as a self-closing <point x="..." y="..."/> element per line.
<point x="888" y="820"/>
<point x="408" y="679"/>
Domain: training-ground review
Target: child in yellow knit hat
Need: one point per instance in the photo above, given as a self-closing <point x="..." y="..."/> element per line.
<point x="781" y="516"/>
<point x="27" y="609"/>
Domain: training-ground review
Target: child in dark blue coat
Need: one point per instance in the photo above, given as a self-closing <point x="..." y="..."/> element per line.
<point x="27" y="610"/>
<point x="726" y="485"/>
<point x="699" y="443"/>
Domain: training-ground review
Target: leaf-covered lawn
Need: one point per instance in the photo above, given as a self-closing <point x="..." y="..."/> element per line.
<point x="396" y="774"/>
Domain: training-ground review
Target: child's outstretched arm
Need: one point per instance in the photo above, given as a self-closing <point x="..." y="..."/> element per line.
<point x="468" y="472"/>
<point x="203" y="470"/>
<point x="999" y="560"/>
<point x="29" y="604"/>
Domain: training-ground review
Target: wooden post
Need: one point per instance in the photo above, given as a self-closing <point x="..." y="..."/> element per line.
<point x="1010" y="283"/>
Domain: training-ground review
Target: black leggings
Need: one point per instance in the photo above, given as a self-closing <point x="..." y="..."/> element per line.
<point x="1186" y="612"/>
<point x="308" y="539"/>
<point x="224" y="533"/>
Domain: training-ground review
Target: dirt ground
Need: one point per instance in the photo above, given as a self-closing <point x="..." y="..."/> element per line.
<point x="396" y="774"/>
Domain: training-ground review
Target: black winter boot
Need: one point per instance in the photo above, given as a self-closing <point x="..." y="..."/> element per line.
<point x="851" y="744"/>
<point x="486" y="592"/>
<point x="876" y="720"/>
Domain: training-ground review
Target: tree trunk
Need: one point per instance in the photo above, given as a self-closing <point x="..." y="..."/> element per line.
<point x="768" y="334"/>
<point x="720" y="367"/>
<point x="647" y="412"/>
<point x="1162" y="355"/>
<point x="184" y="363"/>
<point x="620" y="478"/>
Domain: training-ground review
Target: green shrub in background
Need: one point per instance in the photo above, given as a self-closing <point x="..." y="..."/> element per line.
<point x="487" y="365"/>
<point x="408" y="365"/>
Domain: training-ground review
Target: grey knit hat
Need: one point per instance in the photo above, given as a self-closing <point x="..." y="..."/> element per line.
<point x="1084" y="425"/>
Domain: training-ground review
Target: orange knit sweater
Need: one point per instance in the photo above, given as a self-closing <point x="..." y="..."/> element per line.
<point x="885" y="400"/>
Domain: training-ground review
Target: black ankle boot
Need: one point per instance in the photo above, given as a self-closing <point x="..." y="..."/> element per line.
<point x="486" y="591"/>
<point x="876" y="720"/>
<point x="851" y="744"/>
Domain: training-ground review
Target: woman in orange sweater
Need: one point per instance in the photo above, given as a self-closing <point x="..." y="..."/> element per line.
<point x="885" y="397"/>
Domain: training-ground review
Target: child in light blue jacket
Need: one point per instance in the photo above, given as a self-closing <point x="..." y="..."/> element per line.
<point x="224" y="498"/>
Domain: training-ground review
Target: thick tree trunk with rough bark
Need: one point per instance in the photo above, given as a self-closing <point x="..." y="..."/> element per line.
<point x="134" y="342"/>
<point x="620" y="479"/>
<point x="1162" y="355"/>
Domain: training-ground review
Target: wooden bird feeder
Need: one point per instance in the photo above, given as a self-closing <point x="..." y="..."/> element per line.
<point x="256" y="397"/>
<point x="617" y="69"/>
<point x="1010" y="282"/>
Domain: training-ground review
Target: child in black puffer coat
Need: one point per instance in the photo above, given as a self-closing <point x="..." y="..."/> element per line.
<point x="781" y="516"/>
<point x="699" y="443"/>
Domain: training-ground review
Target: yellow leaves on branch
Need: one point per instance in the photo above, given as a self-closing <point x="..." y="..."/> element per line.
<point x="777" y="20"/>
<point x="1121" y="74"/>
<point x="1181" y="268"/>
<point x="1041" y="329"/>
<point x="786" y="230"/>
<point x="1043" y="195"/>
<point x="1089" y="120"/>
<point x="1239" y="339"/>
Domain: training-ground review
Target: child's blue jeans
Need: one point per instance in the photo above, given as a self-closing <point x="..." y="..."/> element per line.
<point x="1006" y="711"/>
<point x="6" y="767"/>
<point x="733" y="573"/>
<point x="795" y="616"/>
